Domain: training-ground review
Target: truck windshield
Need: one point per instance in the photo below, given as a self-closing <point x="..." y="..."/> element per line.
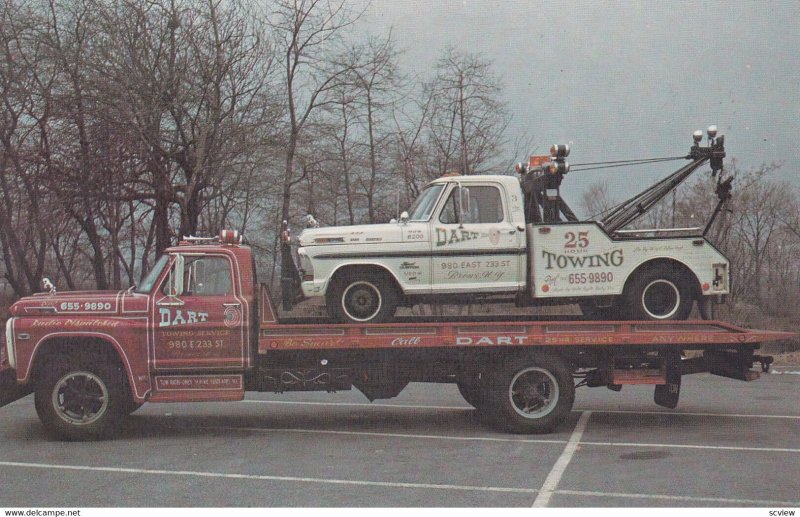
<point x="425" y="203"/>
<point x="146" y="285"/>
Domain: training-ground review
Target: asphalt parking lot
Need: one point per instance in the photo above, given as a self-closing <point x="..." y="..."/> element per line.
<point x="729" y="443"/>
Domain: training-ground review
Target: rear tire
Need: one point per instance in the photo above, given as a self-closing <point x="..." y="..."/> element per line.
<point x="80" y="398"/>
<point x="659" y="292"/>
<point x="532" y="395"/>
<point x="367" y="298"/>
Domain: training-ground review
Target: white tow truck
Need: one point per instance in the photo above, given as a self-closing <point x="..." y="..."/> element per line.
<point x="485" y="238"/>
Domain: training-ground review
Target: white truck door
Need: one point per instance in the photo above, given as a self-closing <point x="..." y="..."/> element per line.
<point x="480" y="253"/>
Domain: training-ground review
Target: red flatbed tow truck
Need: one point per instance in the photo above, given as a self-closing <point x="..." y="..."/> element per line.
<point x="200" y="328"/>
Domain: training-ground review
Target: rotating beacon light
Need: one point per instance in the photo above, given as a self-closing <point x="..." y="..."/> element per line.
<point x="230" y="237"/>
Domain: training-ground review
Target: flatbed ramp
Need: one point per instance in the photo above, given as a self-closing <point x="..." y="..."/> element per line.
<point x="687" y="335"/>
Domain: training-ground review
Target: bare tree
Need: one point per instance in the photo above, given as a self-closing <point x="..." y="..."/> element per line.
<point x="597" y="200"/>
<point x="468" y="118"/>
<point x="410" y="151"/>
<point x="24" y="214"/>
<point x="307" y="36"/>
<point x="196" y="77"/>
<point x="378" y="80"/>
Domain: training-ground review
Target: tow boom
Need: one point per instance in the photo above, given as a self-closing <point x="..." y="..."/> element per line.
<point x="641" y="203"/>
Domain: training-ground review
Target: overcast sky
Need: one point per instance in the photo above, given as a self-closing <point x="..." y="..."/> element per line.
<point x="625" y="80"/>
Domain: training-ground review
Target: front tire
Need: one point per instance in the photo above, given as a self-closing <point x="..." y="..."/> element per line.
<point x="659" y="293"/>
<point x="79" y="398"/>
<point x="369" y="298"/>
<point x="532" y="395"/>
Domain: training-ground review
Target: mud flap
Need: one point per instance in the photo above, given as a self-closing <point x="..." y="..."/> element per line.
<point x="291" y="291"/>
<point x="667" y="395"/>
<point x="9" y="389"/>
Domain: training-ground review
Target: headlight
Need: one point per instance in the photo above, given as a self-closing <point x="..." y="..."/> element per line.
<point x="12" y="360"/>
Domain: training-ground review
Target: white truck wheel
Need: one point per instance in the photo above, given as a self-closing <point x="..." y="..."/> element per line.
<point x="659" y="293"/>
<point x="371" y="298"/>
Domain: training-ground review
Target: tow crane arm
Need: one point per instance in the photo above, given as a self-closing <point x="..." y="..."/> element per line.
<point x="641" y="203"/>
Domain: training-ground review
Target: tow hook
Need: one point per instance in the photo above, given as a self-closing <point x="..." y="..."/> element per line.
<point x="765" y="360"/>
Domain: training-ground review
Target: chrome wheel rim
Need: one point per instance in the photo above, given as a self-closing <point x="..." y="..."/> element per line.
<point x="361" y="301"/>
<point x="661" y="299"/>
<point x="80" y="398"/>
<point x="533" y="392"/>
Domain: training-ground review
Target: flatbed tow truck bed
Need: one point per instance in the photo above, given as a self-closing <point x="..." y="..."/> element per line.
<point x="690" y="335"/>
<point x="499" y="331"/>
<point x="494" y="360"/>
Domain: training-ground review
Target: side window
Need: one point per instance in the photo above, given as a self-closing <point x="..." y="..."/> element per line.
<point x="481" y="204"/>
<point x="207" y="276"/>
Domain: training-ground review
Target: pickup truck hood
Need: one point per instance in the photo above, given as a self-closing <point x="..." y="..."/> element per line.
<point x="68" y="302"/>
<point x="359" y="234"/>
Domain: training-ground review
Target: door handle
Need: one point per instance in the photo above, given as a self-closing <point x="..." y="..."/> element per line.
<point x="234" y="304"/>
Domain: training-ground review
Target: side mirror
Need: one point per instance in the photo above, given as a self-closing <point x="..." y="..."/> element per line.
<point x="404" y="217"/>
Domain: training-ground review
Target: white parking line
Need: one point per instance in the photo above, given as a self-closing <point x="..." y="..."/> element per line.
<point x="785" y="370"/>
<point x="158" y="472"/>
<point x="554" y="477"/>
<point x="576" y="410"/>
<point x="689" y="413"/>
<point x="378" y="434"/>
<point x="359" y="404"/>
<point x="686" y="498"/>
<point x="381" y="435"/>
<point x="386" y="484"/>
<point x="690" y="446"/>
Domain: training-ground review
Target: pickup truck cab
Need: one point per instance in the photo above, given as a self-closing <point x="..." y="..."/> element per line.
<point x="480" y="237"/>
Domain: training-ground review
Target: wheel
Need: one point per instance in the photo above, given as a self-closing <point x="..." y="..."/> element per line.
<point x="80" y="398"/>
<point x="474" y="394"/>
<point x="369" y="298"/>
<point x="659" y="293"/>
<point x="532" y="395"/>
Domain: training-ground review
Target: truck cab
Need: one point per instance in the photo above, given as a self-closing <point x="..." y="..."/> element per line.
<point x="195" y="311"/>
